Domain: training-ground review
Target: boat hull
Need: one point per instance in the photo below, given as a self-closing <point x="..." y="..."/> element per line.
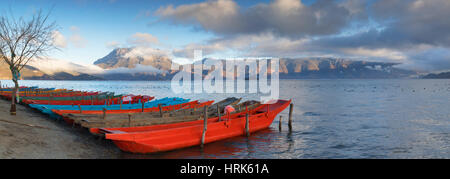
<point x="168" y="138"/>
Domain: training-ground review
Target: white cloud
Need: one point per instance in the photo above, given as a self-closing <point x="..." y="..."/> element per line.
<point x="52" y="65"/>
<point x="74" y="29"/>
<point x="137" y="69"/>
<point x="265" y="44"/>
<point x="288" y="18"/>
<point x="382" y="53"/>
<point x="58" y="39"/>
<point x="146" y="52"/>
<point x="76" y="39"/>
<point x="47" y="65"/>
<point x="210" y="14"/>
<point x="142" y="39"/>
<point x="112" y="44"/>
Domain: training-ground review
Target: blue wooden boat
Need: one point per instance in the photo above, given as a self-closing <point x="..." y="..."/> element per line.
<point x="47" y="109"/>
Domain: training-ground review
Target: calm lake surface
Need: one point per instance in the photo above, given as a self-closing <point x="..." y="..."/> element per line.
<point x="405" y="118"/>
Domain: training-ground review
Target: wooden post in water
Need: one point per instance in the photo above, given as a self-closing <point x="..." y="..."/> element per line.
<point x="120" y="103"/>
<point x="79" y="107"/>
<point x="291" y="107"/>
<point x="51" y="98"/>
<point x="104" y="113"/>
<point x="218" y="111"/>
<point x="247" y="125"/>
<point x="205" y="125"/>
<point x="160" y="110"/>
<point x="279" y="123"/>
<point x="129" y="119"/>
<point x="142" y="106"/>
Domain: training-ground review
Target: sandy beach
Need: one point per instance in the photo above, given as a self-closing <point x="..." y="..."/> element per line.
<point x="33" y="135"/>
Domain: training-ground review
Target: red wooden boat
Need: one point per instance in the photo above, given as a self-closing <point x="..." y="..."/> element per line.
<point x="188" y="105"/>
<point x="157" y="138"/>
<point x="58" y="94"/>
<point x="115" y="100"/>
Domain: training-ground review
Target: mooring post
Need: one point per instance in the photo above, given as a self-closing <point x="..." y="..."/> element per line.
<point x="279" y="123"/>
<point x="247" y="127"/>
<point x="218" y="111"/>
<point x="104" y="113"/>
<point x="160" y="110"/>
<point x="120" y="103"/>
<point x="205" y="124"/>
<point x="291" y="107"/>
<point x="79" y="107"/>
<point x="142" y="106"/>
<point x="129" y="119"/>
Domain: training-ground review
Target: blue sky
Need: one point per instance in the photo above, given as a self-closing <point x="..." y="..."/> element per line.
<point x="415" y="33"/>
<point x="100" y="22"/>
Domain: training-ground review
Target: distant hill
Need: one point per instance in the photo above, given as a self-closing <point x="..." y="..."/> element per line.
<point x="37" y="70"/>
<point x="130" y="57"/>
<point x="27" y="71"/>
<point x="64" y="76"/>
<point x="290" y="68"/>
<point x="443" y="75"/>
<point x="311" y="68"/>
<point x="154" y="64"/>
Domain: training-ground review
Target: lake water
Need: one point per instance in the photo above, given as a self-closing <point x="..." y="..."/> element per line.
<point x="407" y="118"/>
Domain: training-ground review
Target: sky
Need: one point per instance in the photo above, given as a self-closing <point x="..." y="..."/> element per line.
<point x="415" y="33"/>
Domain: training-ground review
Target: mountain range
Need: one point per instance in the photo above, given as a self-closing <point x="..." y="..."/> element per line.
<point x="442" y="75"/>
<point x="153" y="64"/>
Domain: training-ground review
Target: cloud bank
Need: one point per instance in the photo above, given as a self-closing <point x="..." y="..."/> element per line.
<point x="415" y="33"/>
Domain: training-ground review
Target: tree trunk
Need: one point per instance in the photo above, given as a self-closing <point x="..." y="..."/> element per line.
<point x="13" y="97"/>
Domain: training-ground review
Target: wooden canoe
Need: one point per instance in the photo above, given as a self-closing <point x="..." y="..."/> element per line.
<point x="68" y="96"/>
<point x="73" y="116"/>
<point x="188" y="113"/>
<point x="137" y="119"/>
<point x="47" y="109"/>
<point x="157" y="138"/>
<point x="90" y="100"/>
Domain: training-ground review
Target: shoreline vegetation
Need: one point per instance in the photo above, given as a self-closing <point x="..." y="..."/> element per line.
<point x="31" y="134"/>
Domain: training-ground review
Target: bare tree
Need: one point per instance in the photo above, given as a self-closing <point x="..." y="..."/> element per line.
<point x="22" y="40"/>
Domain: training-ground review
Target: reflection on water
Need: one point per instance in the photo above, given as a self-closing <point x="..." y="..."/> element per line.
<point x="332" y="119"/>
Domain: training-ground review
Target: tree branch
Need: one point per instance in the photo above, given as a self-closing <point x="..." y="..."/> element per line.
<point x="22" y="40"/>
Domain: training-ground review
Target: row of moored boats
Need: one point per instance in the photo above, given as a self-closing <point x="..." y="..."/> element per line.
<point x="143" y="124"/>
